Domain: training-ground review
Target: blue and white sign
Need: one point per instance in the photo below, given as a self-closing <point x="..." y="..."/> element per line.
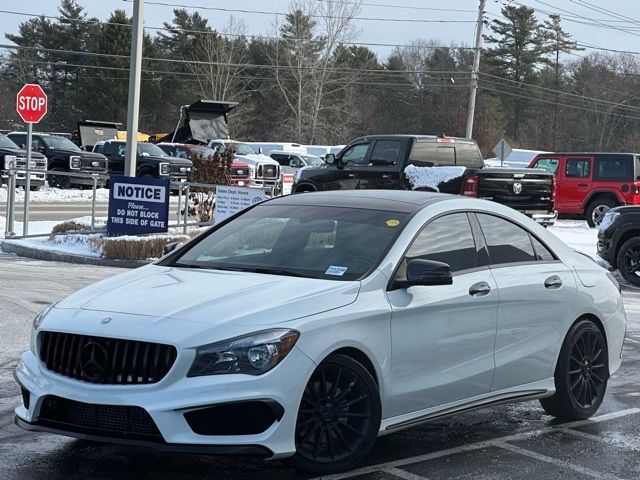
<point x="230" y="200"/>
<point x="138" y="205"/>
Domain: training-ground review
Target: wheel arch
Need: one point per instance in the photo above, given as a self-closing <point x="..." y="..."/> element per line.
<point x="305" y="187"/>
<point x="360" y="357"/>
<point x="584" y="316"/>
<point x="610" y="194"/>
<point x="624" y="236"/>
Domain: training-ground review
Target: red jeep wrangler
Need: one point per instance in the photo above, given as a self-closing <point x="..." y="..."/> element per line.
<point x="590" y="184"/>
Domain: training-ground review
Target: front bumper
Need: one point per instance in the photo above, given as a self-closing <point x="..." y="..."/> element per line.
<point x="87" y="180"/>
<point x="170" y="399"/>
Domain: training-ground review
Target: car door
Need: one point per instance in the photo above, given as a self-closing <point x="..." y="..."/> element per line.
<point x="443" y="336"/>
<point x="575" y="183"/>
<point x="382" y="170"/>
<point x="537" y="293"/>
<point x="115" y="154"/>
<point x="346" y="175"/>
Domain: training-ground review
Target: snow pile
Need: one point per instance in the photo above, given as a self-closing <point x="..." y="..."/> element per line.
<point x="431" y="177"/>
<point x="57" y="195"/>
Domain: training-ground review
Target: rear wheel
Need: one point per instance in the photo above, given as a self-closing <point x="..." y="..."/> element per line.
<point x="581" y="374"/>
<point x="597" y="209"/>
<point x="628" y="260"/>
<point x="339" y="417"/>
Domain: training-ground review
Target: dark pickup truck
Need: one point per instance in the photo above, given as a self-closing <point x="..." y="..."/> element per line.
<point x="64" y="156"/>
<point x="434" y="163"/>
<point x="151" y="161"/>
<point x="11" y="156"/>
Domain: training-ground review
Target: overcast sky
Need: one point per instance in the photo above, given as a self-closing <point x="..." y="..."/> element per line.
<point x="373" y="31"/>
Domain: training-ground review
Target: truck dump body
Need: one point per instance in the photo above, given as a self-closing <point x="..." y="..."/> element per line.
<point x="202" y="121"/>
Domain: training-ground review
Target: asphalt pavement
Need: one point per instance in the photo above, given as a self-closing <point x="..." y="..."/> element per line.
<point x="515" y="441"/>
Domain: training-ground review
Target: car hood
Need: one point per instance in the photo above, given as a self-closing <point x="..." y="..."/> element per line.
<point x="81" y="154"/>
<point x="213" y="297"/>
<point x="255" y="159"/>
<point x="172" y="160"/>
<point x="20" y="153"/>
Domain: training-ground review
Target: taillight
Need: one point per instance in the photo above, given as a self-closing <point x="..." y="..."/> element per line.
<point x="554" y="187"/>
<point x="470" y="186"/>
<point x="635" y="188"/>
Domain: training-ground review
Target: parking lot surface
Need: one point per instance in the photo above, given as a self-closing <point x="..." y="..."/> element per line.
<point x="502" y="442"/>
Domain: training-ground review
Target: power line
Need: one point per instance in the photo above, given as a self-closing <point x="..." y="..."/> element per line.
<point x="331" y="17"/>
<point x="404" y="7"/>
<point x="610" y="13"/>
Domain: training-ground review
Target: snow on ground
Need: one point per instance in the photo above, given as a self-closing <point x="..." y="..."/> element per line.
<point x="421" y="177"/>
<point x="578" y="235"/>
<point x="56" y="195"/>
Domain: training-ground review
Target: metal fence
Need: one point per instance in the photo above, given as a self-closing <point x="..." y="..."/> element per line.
<point x="183" y="213"/>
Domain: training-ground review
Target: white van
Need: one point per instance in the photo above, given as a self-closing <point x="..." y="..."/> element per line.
<point x="322" y="150"/>
<point x="267" y="148"/>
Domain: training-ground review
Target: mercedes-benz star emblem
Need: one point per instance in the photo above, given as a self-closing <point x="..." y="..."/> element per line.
<point x="93" y="360"/>
<point x="517" y="188"/>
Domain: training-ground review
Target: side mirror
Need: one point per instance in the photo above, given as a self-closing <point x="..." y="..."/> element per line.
<point x="170" y="247"/>
<point x="426" y="273"/>
<point x="330" y="158"/>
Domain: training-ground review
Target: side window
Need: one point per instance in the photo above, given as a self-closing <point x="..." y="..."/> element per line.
<point x="577" y="168"/>
<point x="122" y="149"/>
<point x="386" y="151"/>
<point x="19" y="140"/>
<point x="423" y="154"/>
<point x="507" y="242"/>
<point x="548" y="165"/>
<point x="181" y="153"/>
<point x="543" y="254"/>
<point x="447" y="239"/>
<point x="295" y="162"/>
<point x="614" y="167"/>
<point x="468" y="155"/>
<point x="355" y="154"/>
<point x="37" y="143"/>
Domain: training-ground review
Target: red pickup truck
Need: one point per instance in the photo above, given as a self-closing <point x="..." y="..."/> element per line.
<point x="590" y="184"/>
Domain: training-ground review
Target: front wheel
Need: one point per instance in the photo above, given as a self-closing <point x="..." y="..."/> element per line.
<point x="581" y="374"/>
<point x="598" y="209"/>
<point x="58" y="181"/>
<point x="628" y="261"/>
<point x="338" y="418"/>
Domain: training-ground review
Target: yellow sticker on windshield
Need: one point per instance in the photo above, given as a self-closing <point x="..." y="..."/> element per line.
<point x="393" y="222"/>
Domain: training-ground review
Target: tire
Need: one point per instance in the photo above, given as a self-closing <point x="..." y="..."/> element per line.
<point x="35" y="188"/>
<point x="58" y="181"/>
<point x="338" y="418"/>
<point x="581" y="374"/>
<point x="597" y="209"/>
<point x="628" y="260"/>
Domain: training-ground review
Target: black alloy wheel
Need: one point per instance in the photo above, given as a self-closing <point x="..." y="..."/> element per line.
<point x="581" y="375"/>
<point x="58" y="181"/>
<point x="628" y="260"/>
<point x="339" y="417"/>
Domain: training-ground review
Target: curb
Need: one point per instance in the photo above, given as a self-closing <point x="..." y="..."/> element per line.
<point x="8" y="246"/>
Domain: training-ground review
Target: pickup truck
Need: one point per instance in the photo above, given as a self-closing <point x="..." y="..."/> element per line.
<point x="151" y="161"/>
<point x="12" y="156"/>
<point x="433" y="163"/>
<point x="64" y="156"/>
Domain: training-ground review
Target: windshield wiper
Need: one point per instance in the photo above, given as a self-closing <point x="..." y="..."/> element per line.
<point x="277" y="271"/>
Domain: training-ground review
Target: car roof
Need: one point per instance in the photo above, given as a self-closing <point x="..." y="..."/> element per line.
<point x="287" y="152"/>
<point x="584" y="153"/>
<point x="404" y="201"/>
<point x="417" y="137"/>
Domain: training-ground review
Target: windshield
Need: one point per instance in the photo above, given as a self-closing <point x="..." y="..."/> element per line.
<point x="239" y="148"/>
<point x="203" y="152"/>
<point x="150" y="149"/>
<point x="311" y="160"/>
<point x="547" y="164"/>
<point x="311" y="241"/>
<point x="60" y="142"/>
<point x="6" y="142"/>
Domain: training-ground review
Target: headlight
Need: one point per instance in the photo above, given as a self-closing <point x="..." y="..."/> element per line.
<point x="252" y="354"/>
<point x="34" y="329"/>
<point x="608" y="220"/>
<point x="10" y="161"/>
<point x="75" y="163"/>
<point x="165" y="169"/>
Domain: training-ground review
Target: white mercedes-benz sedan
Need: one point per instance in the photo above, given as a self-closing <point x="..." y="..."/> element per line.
<point x="308" y="325"/>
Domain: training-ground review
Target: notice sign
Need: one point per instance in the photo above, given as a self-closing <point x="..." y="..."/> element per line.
<point x="230" y="200"/>
<point x="138" y="205"/>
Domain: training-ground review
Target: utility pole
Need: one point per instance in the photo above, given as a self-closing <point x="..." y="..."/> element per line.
<point x="133" y="104"/>
<point x="474" y="74"/>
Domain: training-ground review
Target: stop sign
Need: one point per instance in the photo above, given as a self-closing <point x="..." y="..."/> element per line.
<point x="31" y="103"/>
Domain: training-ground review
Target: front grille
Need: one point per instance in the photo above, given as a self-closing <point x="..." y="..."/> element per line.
<point x="111" y="420"/>
<point x="106" y="360"/>
<point x="239" y="171"/>
<point x="269" y="171"/>
<point x="93" y="164"/>
<point x="36" y="164"/>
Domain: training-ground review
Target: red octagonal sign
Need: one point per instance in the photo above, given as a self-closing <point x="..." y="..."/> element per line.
<point x="31" y="103"/>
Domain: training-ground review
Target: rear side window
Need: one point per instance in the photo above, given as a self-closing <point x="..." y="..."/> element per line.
<point x="281" y="159"/>
<point x="548" y="165"/>
<point x="577" y="168"/>
<point x="543" y="254"/>
<point x="429" y="154"/>
<point x="507" y="242"/>
<point x="614" y="167"/>
<point x="386" y="151"/>
<point x="447" y="239"/>
<point x="468" y="155"/>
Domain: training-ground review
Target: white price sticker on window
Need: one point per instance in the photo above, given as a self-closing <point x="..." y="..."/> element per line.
<point x="337" y="271"/>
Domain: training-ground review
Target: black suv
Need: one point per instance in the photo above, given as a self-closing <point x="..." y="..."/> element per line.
<point x="65" y="156"/>
<point x="454" y="165"/>
<point x="151" y="161"/>
<point x="619" y="241"/>
<point x="12" y="156"/>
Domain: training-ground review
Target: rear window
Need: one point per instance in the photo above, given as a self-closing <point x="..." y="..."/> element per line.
<point x="468" y="155"/>
<point x="614" y="167"/>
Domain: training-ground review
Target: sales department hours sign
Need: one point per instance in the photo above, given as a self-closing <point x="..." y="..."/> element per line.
<point x="138" y="205"/>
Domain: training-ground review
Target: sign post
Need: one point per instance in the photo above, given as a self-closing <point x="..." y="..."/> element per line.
<point x="502" y="151"/>
<point x="31" y="105"/>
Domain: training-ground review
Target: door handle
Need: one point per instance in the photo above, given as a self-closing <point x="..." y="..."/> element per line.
<point x="553" y="282"/>
<point x="479" y="289"/>
<point x="583" y="185"/>
<point x="386" y="176"/>
<point x="351" y="175"/>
